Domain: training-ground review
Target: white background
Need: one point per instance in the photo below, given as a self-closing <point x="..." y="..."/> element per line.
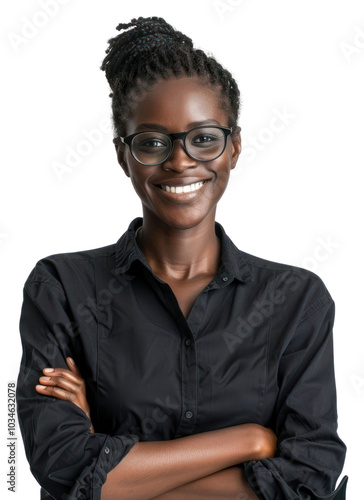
<point x="295" y="196"/>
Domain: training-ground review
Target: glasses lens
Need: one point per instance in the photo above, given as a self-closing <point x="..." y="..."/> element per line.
<point x="205" y="143"/>
<point x="151" y="147"/>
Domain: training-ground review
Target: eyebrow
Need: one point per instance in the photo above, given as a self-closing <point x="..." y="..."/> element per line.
<point x="190" y="125"/>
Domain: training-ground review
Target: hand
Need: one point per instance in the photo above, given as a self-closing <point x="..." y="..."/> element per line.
<point x="65" y="384"/>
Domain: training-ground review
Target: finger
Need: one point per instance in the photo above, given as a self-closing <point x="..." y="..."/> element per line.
<point x="47" y="381"/>
<point x="62" y="372"/>
<point x="72" y="366"/>
<point x="55" y="392"/>
<point x="63" y="383"/>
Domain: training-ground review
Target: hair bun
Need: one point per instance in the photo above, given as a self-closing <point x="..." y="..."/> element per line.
<point x="139" y="38"/>
<point x="157" y="28"/>
<point x="152" y="32"/>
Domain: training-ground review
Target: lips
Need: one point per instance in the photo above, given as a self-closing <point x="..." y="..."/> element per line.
<point x="181" y="191"/>
<point x="182" y="181"/>
<point x="185" y="188"/>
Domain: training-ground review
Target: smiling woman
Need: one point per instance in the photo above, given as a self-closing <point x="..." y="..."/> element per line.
<point x="161" y="391"/>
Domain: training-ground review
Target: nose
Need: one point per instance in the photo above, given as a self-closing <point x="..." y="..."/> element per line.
<point x="179" y="160"/>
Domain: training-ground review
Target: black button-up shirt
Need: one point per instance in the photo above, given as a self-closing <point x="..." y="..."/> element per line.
<point x="256" y="347"/>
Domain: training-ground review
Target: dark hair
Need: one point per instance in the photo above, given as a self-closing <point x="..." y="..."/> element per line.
<point x="151" y="49"/>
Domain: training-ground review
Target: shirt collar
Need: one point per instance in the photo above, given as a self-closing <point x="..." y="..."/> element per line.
<point x="232" y="263"/>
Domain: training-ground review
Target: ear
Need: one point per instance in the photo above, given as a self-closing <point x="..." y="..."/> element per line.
<point x="120" y="153"/>
<point x="236" y="146"/>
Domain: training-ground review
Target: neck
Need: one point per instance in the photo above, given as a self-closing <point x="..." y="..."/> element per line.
<point x="177" y="254"/>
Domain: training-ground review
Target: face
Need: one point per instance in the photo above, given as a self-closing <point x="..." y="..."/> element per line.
<point x="171" y="106"/>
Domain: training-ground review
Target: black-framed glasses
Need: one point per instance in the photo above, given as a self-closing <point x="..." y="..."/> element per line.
<point x="200" y="143"/>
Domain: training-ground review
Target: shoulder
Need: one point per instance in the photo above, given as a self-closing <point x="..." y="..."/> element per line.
<point x="297" y="284"/>
<point x="264" y="274"/>
<point x="262" y="267"/>
<point x="52" y="269"/>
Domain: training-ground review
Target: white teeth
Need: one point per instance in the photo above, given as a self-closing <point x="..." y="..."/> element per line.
<point x="183" y="189"/>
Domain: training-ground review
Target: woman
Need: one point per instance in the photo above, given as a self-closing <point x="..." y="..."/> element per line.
<point x="208" y="372"/>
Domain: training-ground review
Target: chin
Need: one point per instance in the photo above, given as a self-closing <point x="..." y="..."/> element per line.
<point x="182" y="219"/>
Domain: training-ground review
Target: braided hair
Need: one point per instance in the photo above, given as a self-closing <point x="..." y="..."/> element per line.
<point x="150" y="49"/>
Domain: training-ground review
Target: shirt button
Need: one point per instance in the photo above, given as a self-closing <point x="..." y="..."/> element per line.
<point x="225" y="278"/>
<point x="107" y="450"/>
<point x="189" y="414"/>
<point x="188" y="341"/>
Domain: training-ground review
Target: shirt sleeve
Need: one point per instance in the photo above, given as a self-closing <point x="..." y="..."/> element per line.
<point x="67" y="460"/>
<point x="310" y="455"/>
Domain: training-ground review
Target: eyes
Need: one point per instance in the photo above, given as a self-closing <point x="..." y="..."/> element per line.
<point x="198" y="140"/>
<point x="153" y="143"/>
<point x="203" y="139"/>
<point x="200" y="143"/>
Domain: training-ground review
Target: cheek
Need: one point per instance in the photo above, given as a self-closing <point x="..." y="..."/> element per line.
<point x="139" y="180"/>
<point x="224" y="167"/>
<point x="224" y="171"/>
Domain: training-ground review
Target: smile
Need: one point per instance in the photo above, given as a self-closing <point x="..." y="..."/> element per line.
<point x="182" y="189"/>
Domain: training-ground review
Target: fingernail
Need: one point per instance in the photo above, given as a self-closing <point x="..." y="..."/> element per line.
<point x="71" y="361"/>
<point x="48" y="370"/>
<point x="41" y="386"/>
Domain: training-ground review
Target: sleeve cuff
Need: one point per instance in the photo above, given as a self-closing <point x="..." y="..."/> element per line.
<point x="268" y="484"/>
<point x="88" y="484"/>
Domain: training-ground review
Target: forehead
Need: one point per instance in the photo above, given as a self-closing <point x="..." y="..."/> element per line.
<point x="176" y="103"/>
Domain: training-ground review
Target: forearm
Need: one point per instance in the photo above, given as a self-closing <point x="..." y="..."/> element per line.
<point x="152" y="468"/>
<point x="226" y="484"/>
